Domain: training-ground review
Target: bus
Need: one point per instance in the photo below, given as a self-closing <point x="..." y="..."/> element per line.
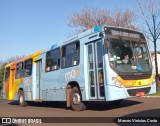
<point x="105" y="63"/>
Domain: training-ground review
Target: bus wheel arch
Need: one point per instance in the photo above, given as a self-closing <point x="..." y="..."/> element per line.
<point x="73" y="92"/>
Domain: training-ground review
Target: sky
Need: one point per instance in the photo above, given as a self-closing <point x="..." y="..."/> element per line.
<point x="27" y="26"/>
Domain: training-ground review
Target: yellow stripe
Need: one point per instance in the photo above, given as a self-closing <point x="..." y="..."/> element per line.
<point x="136" y="83"/>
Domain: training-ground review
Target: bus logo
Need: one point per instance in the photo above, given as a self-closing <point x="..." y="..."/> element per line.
<point x="72" y="74"/>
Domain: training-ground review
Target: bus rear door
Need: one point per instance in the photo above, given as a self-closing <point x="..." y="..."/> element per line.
<point x="38" y="78"/>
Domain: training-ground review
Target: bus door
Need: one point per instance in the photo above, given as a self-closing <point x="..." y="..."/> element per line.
<point x="13" y="75"/>
<point x="13" y="70"/>
<point x="95" y="70"/>
<point x="38" y="77"/>
<point x="6" y="82"/>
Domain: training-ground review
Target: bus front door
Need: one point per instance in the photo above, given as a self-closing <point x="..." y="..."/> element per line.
<point x="95" y="70"/>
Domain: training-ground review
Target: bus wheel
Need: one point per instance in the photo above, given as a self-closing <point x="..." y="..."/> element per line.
<point x="21" y="99"/>
<point x="76" y="100"/>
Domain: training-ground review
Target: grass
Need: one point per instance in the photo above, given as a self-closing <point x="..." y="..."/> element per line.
<point x="157" y="94"/>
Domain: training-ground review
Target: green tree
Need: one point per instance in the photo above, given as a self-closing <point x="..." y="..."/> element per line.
<point x="1" y="79"/>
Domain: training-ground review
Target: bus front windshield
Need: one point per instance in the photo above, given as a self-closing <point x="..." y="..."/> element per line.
<point x="129" y="56"/>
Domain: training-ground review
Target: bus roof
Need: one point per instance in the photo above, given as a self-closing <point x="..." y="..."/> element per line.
<point x="94" y="30"/>
<point x="80" y="35"/>
<point x="25" y="58"/>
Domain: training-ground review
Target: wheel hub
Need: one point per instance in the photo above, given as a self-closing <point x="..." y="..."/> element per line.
<point x="21" y="99"/>
<point x="76" y="99"/>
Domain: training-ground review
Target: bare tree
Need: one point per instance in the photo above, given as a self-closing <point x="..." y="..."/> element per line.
<point x="150" y="12"/>
<point x="90" y="17"/>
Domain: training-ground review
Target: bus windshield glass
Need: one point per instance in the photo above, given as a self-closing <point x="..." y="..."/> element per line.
<point x="129" y="56"/>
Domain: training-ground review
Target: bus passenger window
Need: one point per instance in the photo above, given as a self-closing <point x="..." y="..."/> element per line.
<point x="48" y="68"/>
<point x="75" y="58"/>
<point x="70" y="55"/>
<point x="28" y="68"/>
<point x="63" y="57"/>
<point x="77" y="47"/>
<point x="53" y="60"/>
<point x="19" y="71"/>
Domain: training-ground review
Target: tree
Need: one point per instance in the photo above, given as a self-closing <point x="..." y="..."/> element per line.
<point x="1" y="80"/>
<point x="2" y="66"/>
<point x="1" y="73"/>
<point x="90" y="17"/>
<point x="150" y="12"/>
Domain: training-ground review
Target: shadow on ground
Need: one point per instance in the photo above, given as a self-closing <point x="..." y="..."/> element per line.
<point x="142" y="115"/>
<point x="102" y="106"/>
<point x="94" y="106"/>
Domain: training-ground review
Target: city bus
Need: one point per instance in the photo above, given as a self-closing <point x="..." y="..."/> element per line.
<point x="105" y="63"/>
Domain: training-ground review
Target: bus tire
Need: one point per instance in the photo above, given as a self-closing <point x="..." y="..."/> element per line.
<point x="76" y="100"/>
<point x="21" y="99"/>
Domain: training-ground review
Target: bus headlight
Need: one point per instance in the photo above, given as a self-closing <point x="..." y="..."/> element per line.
<point x="116" y="82"/>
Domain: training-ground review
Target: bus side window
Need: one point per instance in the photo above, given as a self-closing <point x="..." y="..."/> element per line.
<point x="70" y="55"/>
<point x="63" y="57"/>
<point x="53" y="60"/>
<point x="19" y="71"/>
<point x="76" y="54"/>
<point x="28" y="68"/>
<point x="7" y="73"/>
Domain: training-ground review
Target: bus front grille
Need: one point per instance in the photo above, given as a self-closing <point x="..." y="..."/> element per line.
<point x="133" y="92"/>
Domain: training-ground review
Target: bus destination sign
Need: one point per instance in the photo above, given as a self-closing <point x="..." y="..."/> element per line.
<point x="125" y="34"/>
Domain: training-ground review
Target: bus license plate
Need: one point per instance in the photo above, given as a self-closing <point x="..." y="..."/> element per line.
<point x="140" y="94"/>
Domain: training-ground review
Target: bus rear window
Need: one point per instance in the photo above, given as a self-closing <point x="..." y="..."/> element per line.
<point x="7" y="73"/>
